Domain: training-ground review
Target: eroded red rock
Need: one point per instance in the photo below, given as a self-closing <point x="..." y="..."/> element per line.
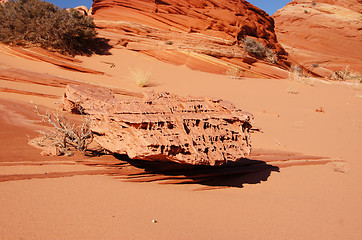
<point x="57" y="59"/>
<point x="164" y="126"/>
<point x="204" y="35"/>
<point x="322" y="35"/>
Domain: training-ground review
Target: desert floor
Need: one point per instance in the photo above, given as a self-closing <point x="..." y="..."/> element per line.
<point x="303" y="180"/>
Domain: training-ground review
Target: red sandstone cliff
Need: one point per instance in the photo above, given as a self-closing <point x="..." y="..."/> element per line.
<point x="205" y="35"/>
<point x="322" y="35"/>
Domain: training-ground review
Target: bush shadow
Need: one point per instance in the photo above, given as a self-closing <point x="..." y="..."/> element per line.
<point x="101" y="46"/>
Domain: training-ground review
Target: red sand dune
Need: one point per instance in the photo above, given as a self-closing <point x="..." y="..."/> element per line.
<point x="281" y="189"/>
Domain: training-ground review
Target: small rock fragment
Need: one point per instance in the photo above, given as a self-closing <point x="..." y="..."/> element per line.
<point x="320" y="110"/>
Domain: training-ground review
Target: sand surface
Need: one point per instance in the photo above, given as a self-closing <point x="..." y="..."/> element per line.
<point x="303" y="180"/>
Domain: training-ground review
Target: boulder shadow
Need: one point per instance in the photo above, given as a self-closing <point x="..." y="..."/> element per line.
<point x="233" y="174"/>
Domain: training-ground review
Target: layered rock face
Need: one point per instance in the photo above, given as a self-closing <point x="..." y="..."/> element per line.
<point x="203" y="34"/>
<point x="322" y="35"/>
<point x="164" y="126"/>
<point x="40" y="54"/>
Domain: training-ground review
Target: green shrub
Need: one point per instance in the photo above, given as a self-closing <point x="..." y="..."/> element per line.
<point x="38" y="23"/>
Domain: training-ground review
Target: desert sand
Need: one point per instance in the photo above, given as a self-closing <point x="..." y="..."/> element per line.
<point x="302" y="180"/>
<point x="312" y="194"/>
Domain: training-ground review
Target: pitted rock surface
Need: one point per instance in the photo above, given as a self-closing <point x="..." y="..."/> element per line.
<point x="165" y="126"/>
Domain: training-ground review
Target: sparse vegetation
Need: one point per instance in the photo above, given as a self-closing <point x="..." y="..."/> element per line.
<point x="296" y="74"/>
<point x="38" y="23"/>
<point x="258" y="50"/>
<point x="340" y="166"/>
<point x="169" y="42"/>
<point x="270" y="56"/>
<point x="65" y="135"/>
<point x="141" y="77"/>
<point x="347" y="75"/>
<point x="234" y="72"/>
<point x="292" y="87"/>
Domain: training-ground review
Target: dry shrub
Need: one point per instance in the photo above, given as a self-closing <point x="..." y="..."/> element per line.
<point x="65" y="135"/>
<point x="271" y="56"/>
<point x="234" y="72"/>
<point x="258" y="50"/>
<point x="294" y="76"/>
<point x="340" y="166"/>
<point x="347" y="75"/>
<point x="42" y="24"/>
<point x="141" y="77"/>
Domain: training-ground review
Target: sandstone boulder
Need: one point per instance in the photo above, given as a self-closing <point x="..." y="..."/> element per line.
<point x="164" y="126"/>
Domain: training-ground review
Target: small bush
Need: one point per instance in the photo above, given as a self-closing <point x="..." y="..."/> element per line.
<point x="292" y="87"/>
<point x="340" y="166"/>
<point x="141" y="77"/>
<point x="258" y="50"/>
<point x="234" y="72"/>
<point x="270" y="56"/>
<point x="169" y="42"/>
<point x="347" y="75"/>
<point x="296" y="75"/>
<point x="42" y="24"/>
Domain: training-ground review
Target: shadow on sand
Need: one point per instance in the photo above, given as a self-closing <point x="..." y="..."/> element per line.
<point x="235" y="174"/>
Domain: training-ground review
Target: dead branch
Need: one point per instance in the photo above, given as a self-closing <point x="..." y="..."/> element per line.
<point x="65" y="134"/>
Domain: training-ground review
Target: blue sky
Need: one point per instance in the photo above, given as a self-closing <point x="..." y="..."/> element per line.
<point x="270" y="6"/>
<point x="71" y="3"/>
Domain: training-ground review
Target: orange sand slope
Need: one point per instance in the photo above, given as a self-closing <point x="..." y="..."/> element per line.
<point x="301" y="182"/>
